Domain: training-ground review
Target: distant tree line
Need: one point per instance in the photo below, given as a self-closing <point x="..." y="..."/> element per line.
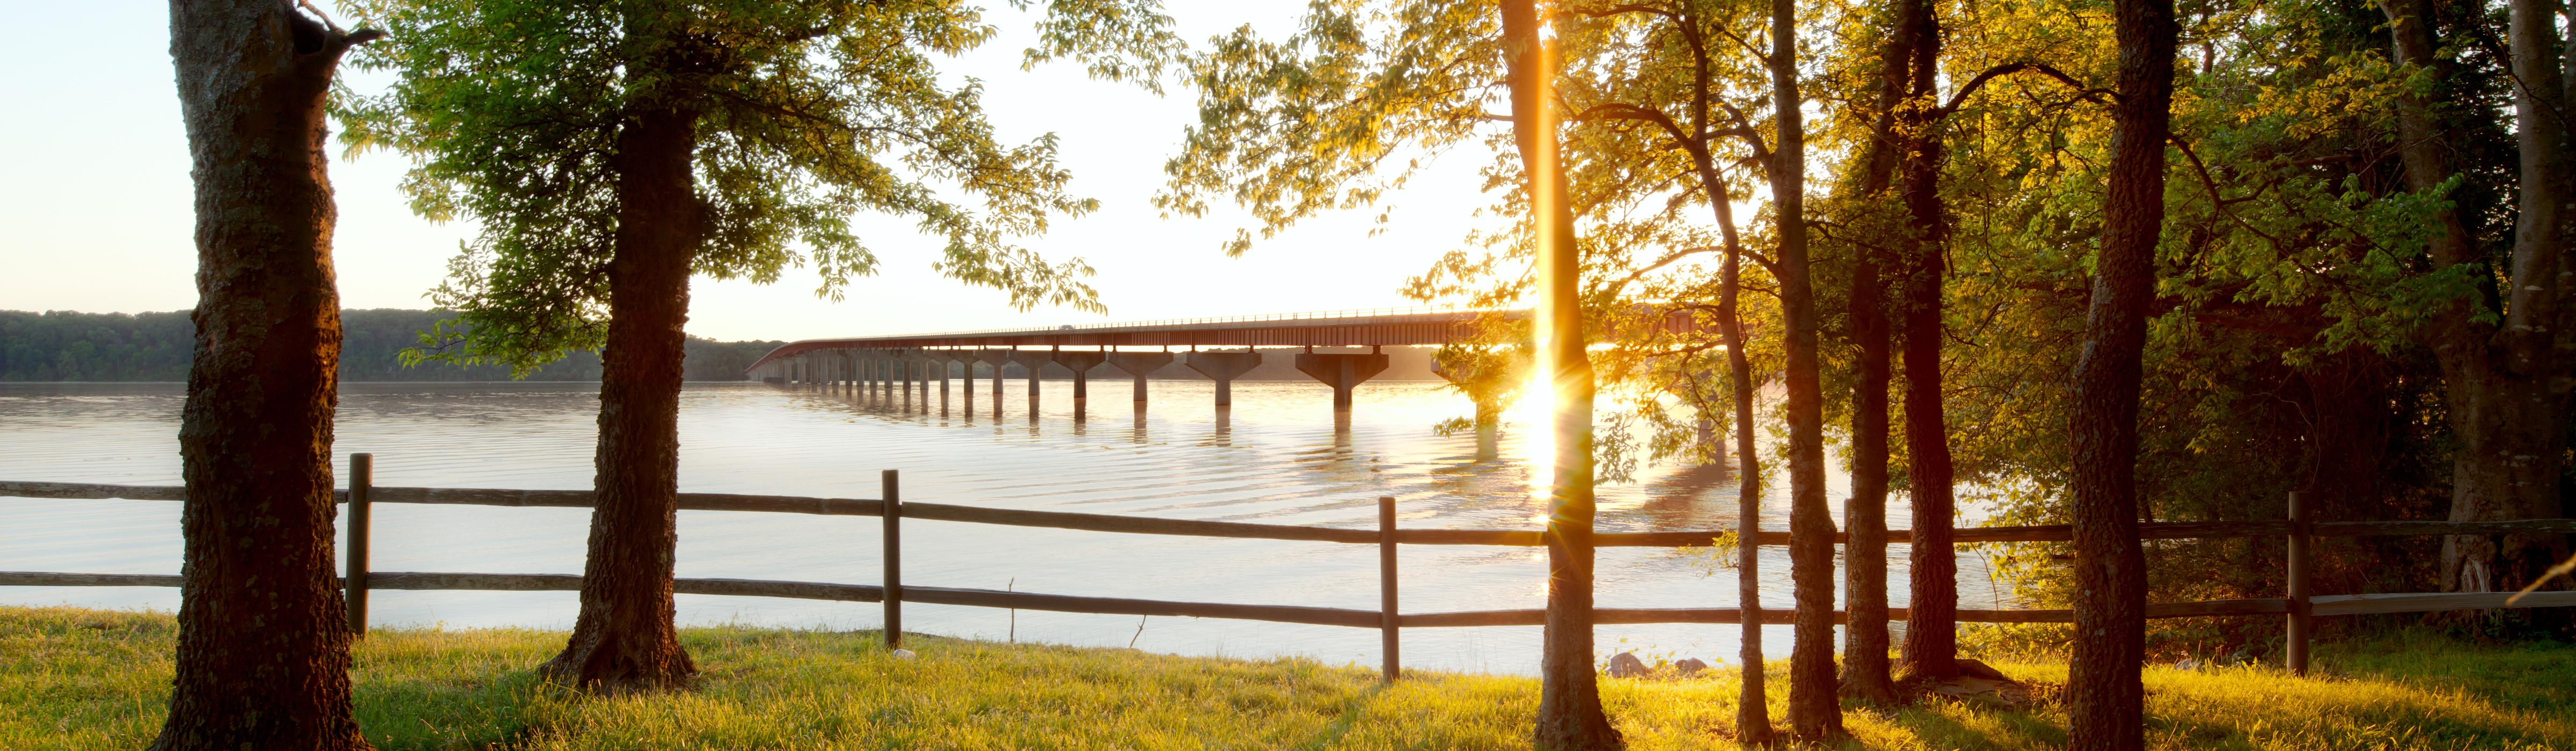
<point x="62" y="345"/>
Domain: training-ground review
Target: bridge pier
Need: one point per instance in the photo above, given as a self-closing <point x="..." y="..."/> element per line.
<point x="1224" y="367"/>
<point x="1343" y="372"/>
<point x="944" y="358"/>
<point x="921" y="365"/>
<point x="1081" y="364"/>
<point x="887" y="367"/>
<point x="916" y="381"/>
<point x="1035" y="361"/>
<point x="927" y="363"/>
<point x="1140" y="365"/>
<point x="995" y="358"/>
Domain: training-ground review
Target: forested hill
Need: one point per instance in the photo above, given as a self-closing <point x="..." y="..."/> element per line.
<point x="68" y="346"/>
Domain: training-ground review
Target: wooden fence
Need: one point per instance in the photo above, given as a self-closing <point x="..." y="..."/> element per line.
<point x="2298" y="607"/>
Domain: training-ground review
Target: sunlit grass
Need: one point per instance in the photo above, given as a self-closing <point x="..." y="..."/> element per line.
<point x="81" y="679"/>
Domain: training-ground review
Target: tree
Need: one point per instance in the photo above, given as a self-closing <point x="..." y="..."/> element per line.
<point x="263" y="655"/>
<point x="1752" y="713"/>
<point x="1569" y="700"/>
<point x="1931" y="626"/>
<point x="2105" y="699"/>
<point x="2503" y="341"/>
<point x="614" y="149"/>
<point x="1814" y="710"/>
<point x="1865" y="635"/>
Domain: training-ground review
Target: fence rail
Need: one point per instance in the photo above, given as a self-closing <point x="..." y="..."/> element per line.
<point x="1254" y="530"/>
<point x="2298" y="606"/>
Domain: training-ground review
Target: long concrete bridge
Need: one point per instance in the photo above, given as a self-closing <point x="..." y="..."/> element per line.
<point x="1222" y="349"/>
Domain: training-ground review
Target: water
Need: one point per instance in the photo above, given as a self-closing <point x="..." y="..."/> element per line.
<point x="1278" y="457"/>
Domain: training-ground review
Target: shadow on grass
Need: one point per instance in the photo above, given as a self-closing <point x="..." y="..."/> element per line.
<point x="1945" y="724"/>
<point x="442" y="690"/>
<point x="1341" y="726"/>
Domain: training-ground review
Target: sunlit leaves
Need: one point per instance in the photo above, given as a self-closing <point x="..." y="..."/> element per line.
<point x="808" y="114"/>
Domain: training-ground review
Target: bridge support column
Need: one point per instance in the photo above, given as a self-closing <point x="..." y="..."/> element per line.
<point x="1081" y="364"/>
<point x="997" y="358"/>
<point x="886" y="376"/>
<point x="1140" y="364"/>
<point x="944" y="358"/>
<point x="1342" y="372"/>
<point x="921" y="378"/>
<point x="1223" y="367"/>
<point x="1036" y="361"/>
<point x="903" y="380"/>
<point x="921" y="365"/>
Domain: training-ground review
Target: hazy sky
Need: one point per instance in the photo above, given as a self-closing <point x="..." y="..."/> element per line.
<point x="95" y="197"/>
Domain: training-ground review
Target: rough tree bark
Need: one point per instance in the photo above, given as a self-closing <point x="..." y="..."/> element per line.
<point x="263" y="654"/>
<point x="625" y="640"/>
<point x="1931" y="626"/>
<point x="1569" y="706"/>
<point x="2105" y="707"/>
<point x="1865" y="635"/>
<point x="2503" y="377"/>
<point x="1815" y="712"/>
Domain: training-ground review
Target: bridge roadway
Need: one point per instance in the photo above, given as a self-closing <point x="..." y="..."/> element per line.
<point x="1220" y="348"/>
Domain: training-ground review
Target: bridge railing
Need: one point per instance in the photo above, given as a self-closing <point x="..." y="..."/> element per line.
<point x="1320" y="315"/>
<point x="2297" y="606"/>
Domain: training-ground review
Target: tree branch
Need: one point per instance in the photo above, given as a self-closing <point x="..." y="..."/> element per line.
<point x="2098" y="96"/>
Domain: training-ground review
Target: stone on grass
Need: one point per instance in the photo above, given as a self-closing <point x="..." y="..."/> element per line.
<point x="1626" y="665"/>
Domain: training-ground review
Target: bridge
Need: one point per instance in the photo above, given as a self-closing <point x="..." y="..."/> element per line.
<point x="1222" y="349"/>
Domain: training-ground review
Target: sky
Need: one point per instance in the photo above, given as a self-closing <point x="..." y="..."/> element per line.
<point x="95" y="196"/>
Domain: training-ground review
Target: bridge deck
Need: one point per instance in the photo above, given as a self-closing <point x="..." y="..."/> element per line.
<point x="1356" y="328"/>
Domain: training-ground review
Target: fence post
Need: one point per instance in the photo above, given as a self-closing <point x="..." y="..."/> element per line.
<point x="1386" y="613"/>
<point x="893" y="518"/>
<point x="2296" y="653"/>
<point x="362" y="475"/>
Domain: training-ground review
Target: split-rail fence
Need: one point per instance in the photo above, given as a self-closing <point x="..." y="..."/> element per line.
<point x="2297" y="605"/>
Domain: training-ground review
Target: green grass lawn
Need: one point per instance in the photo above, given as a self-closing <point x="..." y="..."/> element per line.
<point x="85" y="679"/>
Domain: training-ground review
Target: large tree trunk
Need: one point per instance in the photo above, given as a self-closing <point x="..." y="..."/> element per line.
<point x="1815" y="713"/>
<point x="625" y="640"/>
<point x="1865" y="636"/>
<point x="2104" y="697"/>
<point x="263" y="655"/>
<point x="2502" y="379"/>
<point x="1931" y="626"/>
<point x="1569" y="705"/>
<point x="1865" y="666"/>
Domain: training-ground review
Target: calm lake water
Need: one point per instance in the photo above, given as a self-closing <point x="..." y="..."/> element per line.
<point x="1278" y="457"/>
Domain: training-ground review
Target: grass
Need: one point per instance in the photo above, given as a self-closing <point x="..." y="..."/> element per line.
<point x="86" y="679"/>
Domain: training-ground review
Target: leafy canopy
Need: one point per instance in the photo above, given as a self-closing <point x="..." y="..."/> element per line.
<point x="807" y="113"/>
